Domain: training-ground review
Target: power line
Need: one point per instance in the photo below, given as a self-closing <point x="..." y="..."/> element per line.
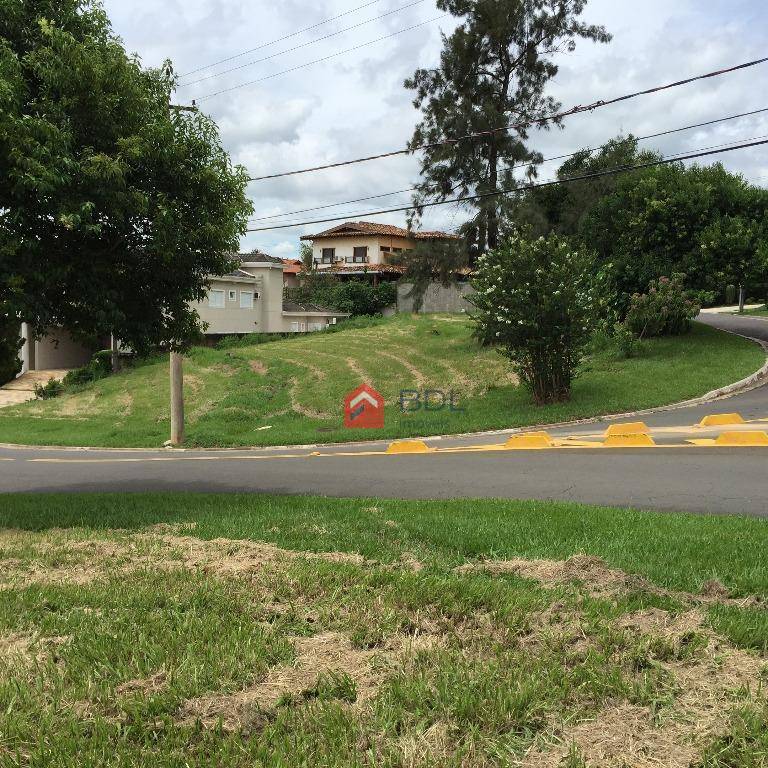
<point x="301" y="45"/>
<point x="525" y="187"/>
<point x="523" y="124"/>
<point x="525" y="165"/>
<point x="280" y="39"/>
<point x="324" y="58"/>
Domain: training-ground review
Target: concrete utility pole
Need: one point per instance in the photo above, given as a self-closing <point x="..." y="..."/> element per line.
<point x="177" y="367"/>
<point x="115" y="349"/>
<point x="177" y="399"/>
<point x="742" y="297"/>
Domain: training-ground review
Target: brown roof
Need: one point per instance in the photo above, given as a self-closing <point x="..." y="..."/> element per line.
<point x="356" y="269"/>
<point x="356" y="228"/>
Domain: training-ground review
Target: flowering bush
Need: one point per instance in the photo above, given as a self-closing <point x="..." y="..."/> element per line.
<point x="540" y="300"/>
<point x="666" y="310"/>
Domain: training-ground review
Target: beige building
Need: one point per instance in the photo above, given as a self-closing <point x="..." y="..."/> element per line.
<point x="366" y="248"/>
<point x="248" y="300"/>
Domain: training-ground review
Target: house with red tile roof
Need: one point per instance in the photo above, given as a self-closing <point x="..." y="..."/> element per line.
<point x="366" y="248"/>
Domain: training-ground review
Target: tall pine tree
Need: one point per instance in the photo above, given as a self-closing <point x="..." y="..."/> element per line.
<point x="493" y="71"/>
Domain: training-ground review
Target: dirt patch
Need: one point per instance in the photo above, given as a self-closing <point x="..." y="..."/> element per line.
<point x="329" y="652"/>
<point x="77" y="405"/>
<point x="653" y="621"/>
<point x="27" y="649"/>
<point x="297" y="407"/>
<point x="16" y="647"/>
<point x="419" y="379"/>
<point x="354" y="366"/>
<point x="432" y="746"/>
<point x="145" y="686"/>
<point x="318" y="373"/>
<point x="600" y="580"/>
<point x="705" y="689"/>
<point x="594" y="572"/>
<point x="257" y="367"/>
<point x="161" y="548"/>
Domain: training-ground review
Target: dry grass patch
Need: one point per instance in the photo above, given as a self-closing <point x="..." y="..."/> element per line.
<point x="328" y="653"/>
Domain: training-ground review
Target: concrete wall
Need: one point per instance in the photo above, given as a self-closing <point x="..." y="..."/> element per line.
<point x="54" y="351"/>
<point x="437" y="298"/>
<point x="307" y="322"/>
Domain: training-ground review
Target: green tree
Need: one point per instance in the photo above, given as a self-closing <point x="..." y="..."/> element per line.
<point x="305" y="255"/>
<point x="442" y="261"/>
<point x="539" y="300"/>
<point x="701" y="221"/>
<point x="114" y="209"/>
<point x="493" y="71"/>
<point x="562" y="208"/>
<point x="10" y="344"/>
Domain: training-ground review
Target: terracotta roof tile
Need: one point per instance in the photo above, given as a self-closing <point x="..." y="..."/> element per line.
<point x="357" y="228"/>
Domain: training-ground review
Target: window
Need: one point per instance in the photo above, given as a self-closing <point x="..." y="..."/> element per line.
<point x="384" y="249"/>
<point x="295" y="327"/>
<point x="328" y="255"/>
<point x="232" y="295"/>
<point x="216" y="299"/>
<point x="246" y="299"/>
<point x="360" y="254"/>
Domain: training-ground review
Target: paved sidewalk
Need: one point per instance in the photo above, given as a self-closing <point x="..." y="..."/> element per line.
<point x="728" y="310"/>
<point x="22" y="388"/>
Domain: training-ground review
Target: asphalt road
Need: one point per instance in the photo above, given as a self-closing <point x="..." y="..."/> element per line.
<point x="673" y="476"/>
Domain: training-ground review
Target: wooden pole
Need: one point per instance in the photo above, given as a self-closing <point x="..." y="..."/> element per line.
<point x="177" y="399"/>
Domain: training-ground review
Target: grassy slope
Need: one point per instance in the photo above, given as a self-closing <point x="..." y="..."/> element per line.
<point x="296" y="388"/>
<point x="112" y="663"/>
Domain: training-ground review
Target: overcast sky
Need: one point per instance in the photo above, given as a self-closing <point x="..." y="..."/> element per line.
<point x="354" y="104"/>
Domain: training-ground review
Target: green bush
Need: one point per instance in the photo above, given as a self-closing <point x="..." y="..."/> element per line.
<point x="541" y="300"/>
<point x="99" y="367"/>
<point x="52" y="388"/>
<point x="356" y="297"/>
<point x="666" y="310"/>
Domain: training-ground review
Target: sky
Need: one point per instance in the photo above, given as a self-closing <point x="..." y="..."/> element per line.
<point x="354" y="104"/>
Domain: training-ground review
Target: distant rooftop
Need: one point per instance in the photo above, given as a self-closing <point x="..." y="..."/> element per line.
<point x="356" y="228"/>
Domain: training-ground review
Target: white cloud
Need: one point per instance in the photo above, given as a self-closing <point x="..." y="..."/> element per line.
<point x="355" y="104"/>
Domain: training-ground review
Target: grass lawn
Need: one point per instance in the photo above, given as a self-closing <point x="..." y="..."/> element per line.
<point x="233" y="630"/>
<point x="760" y="312"/>
<point x="292" y="391"/>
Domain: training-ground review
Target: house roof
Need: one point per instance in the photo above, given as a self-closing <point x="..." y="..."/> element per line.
<point x="357" y="228"/>
<point x="240" y="273"/>
<point x="292" y="266"/>
<point x="260" y="256"/>
<point x="292" y="306"/>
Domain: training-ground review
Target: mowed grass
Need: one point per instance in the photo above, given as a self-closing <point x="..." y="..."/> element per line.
<point x="152" y="630"/>
<point x="292" y="391"/>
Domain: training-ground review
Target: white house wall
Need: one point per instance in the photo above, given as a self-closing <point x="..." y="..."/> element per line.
<point x="345" y="246"/>
<point x="231" y="318"/>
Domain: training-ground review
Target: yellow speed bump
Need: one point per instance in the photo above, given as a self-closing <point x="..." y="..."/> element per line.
<point x="634" y="440"/>
<point x="627" y="428"/>
<point x="530" y="440"/>
<point x="721" y="419"/>
<point x="738" y="439"/>
<point x="408" y="446"/>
